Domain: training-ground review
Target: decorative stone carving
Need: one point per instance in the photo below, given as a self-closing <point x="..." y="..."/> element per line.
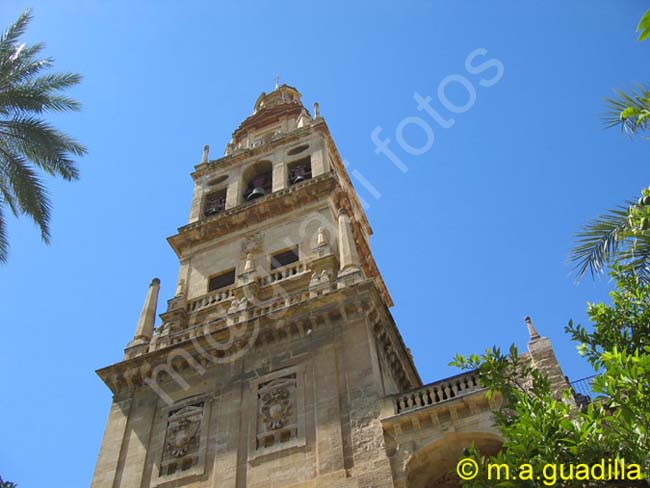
<point x="182" y="439"/>
<point x="277" y="420"/>
<point x="321" y="240"/>
<point x="248" y="265"/>
<point x="252" y="244"/>
<point x="276" y="408"/>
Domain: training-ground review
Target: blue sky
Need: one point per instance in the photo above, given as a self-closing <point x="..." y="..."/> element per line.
<point x="473" y="237"/>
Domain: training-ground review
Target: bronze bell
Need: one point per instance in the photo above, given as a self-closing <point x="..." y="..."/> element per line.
<point x="256" y="192"/>
<point x="298" y="175"/>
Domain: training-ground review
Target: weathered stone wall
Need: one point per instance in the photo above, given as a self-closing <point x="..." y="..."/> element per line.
<point x="338" y="399"/>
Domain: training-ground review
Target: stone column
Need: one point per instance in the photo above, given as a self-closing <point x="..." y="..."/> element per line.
<point x="279" y="175"/>
<point x="197" y="196"/>
<point x="348" y="256"/>
<point x="319" y="164"/>
<point x="233" y="192"/>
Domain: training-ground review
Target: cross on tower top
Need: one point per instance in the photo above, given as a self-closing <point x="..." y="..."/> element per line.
<point x="277" y="81"/>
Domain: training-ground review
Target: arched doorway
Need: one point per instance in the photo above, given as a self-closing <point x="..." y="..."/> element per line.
<point x="433" y="465"/>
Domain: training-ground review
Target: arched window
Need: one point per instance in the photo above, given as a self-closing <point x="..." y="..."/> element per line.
<point x="299" y="170"/>
<point x="214" y="203"/>
<point x="258" y="180"/>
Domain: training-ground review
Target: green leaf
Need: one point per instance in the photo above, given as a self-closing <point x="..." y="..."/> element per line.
<point x="644" y="27"/>
<point x="629" y="112"/>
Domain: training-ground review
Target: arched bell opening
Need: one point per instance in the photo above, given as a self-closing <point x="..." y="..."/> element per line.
<point x="299" y="171"/>
<point x="258" y="180"/>
<point x="434" y="465"/>
<point x="214" y="202"/>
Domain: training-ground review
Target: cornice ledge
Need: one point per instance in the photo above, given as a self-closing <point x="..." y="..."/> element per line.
<point x="232" y="159"/>
<point x="128" y="375"/>
<point x="240" y="216"/>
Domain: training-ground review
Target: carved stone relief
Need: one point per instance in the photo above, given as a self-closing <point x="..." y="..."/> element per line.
<point x="277" y="411"/>
<point x="252" y="244"/>
<point x="182" y="439"/>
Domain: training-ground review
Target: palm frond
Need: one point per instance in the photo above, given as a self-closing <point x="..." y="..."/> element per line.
<point x="30" y="193"/>
<point x="14" y="32"/>
<point x="4" y="238"/>
<point x="627" y="110"/>
<point x="22" y="69"/>
<point x="22" y="100"/>
<point x="636" y="257"/>
<point x="43" y="144"/>
<point x="7" y="196"/>
<point x="598" y="242"/>
<point x="29" y="144"/>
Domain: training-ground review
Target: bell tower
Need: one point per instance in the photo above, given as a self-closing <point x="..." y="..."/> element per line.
<point x="270" y="365"/>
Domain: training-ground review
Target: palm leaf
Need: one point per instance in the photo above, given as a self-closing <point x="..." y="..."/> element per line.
<point x="598" y="242"/>
<point x="636" y="257"/>
<point x="29" y="144"/>
<point x="29" y="192"/>
<point x="14" y="32"/>
<point x="635" y="102"/>
<point x="4" y="239"/>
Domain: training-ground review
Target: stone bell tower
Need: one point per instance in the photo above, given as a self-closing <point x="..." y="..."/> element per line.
<point x="272" y="362"/>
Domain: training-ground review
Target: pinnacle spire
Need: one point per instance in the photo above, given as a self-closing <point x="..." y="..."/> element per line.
<point x="531" y="328"/>
<point x="144" y="329"/>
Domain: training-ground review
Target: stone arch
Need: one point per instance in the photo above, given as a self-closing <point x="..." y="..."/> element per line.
<point x="258" y="175"/>
<point x="432" y="466"/>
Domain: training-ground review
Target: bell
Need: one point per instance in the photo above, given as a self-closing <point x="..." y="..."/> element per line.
<point x="256" y="192"/>
<point x="298" y="175"/>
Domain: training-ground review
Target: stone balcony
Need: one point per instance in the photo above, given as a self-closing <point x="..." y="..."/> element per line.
<point x="222" y="295"/>
<point x="210" y="299"/>
<point x="437" y="392"/>
<point x="427" y="428"/>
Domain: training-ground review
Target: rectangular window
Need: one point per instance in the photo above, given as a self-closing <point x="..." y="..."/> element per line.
<point x="284" y="258"/>
<point x="221" y="280"/>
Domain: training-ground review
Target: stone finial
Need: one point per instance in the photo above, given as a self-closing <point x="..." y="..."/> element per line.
<point x="180" y="287"/>
<point x="531" y="328"/>
<point x="316" y="110"/>
<point x="144" y="329"/>
<point x="321" y="240"/>
<point x="248" y="264"/>
<point x="303" y="119"/>
<point x="206" y="151"/>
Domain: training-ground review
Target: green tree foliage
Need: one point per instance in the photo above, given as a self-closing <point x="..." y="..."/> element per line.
<point x="7" y="484"/>
<point x="624" y="325"/>
<point x="644" y="27"/>
<point x="28" y="144"/>
<point x="540" y="428"/>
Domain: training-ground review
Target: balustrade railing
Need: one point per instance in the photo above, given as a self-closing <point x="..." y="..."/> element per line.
<point x="281" y="274"/>
<point x="210" y="298"/>
<point x="440" y="391"/>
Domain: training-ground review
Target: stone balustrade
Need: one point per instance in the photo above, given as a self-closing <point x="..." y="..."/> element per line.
<point x="438" y="392"/>
<point x="210" y="298"/>
<point x="283" y="273"/>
